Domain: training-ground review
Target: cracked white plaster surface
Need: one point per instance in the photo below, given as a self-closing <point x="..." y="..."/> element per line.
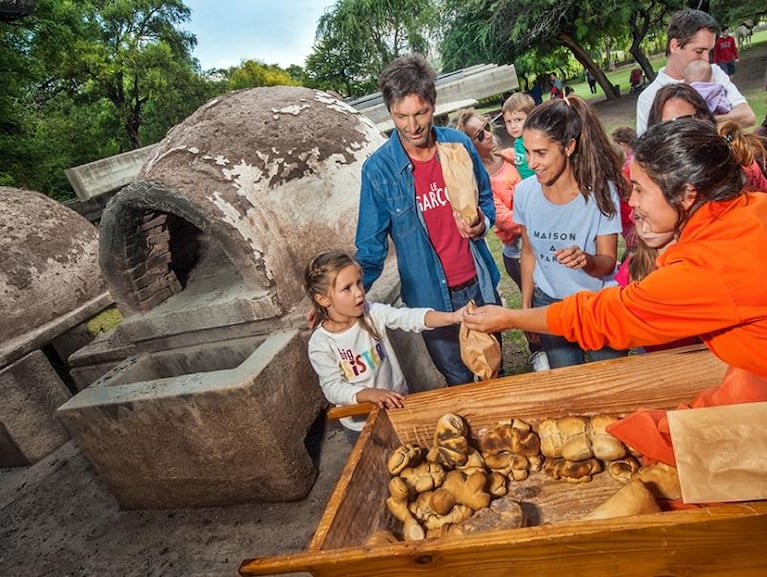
<point x="334" y="103"/>
<point x="241" y="223"/>
<point x="294" y="109"/>
<point x="158" y="157"/>
<point x="243" y="175"/>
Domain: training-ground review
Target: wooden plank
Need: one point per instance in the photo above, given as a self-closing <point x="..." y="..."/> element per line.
<point x="357" y="506"/>
<point x="719" y="541"/>
<point x="355" y="410"/>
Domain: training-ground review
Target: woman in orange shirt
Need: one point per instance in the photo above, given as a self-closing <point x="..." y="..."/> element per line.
<point x="710" y="283"/>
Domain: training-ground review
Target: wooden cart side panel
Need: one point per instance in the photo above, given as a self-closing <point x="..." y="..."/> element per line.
<point x="662" y="380"/>
<point x="356" y="508"/>
<point x="719" y="541"/>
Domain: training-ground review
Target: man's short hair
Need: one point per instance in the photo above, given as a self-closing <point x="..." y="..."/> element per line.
<point x="409" y="74"/>
<point x="685" y="24"/>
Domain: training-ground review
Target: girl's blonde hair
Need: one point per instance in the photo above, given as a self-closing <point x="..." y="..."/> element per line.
<point x="642" y="261"/>
<point x="320" y="276"/>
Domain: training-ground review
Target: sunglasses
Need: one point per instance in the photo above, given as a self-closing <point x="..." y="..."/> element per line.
<point x="686" y="116"/>
<point x="480" y="136"/>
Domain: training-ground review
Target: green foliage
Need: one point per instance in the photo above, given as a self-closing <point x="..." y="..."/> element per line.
<point x="87" y="79"/>
<point x="733" y="13"/>
<point x="251" y="74"/>
<point x="356" y="39"/>
<point x="105" y="321"/>
<point x="469" y="37"/>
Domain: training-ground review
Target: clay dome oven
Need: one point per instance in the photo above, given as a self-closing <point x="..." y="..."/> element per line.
<point x="232" y="204"/>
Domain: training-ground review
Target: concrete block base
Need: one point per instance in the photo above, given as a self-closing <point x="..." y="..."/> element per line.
<point x="202" y="426"/>
<point x="29" y="428"/>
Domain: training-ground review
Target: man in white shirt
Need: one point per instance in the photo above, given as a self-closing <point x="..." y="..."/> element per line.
<point x="691" y="36"/>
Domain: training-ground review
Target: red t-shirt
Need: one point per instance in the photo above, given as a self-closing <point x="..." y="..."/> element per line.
<point x="452" y="249"/>
<point x="725" y="49"/>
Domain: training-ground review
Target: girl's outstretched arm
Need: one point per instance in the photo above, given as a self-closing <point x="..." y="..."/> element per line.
<point x="434" y="319"/>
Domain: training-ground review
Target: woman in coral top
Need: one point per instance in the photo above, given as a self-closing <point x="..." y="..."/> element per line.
<point x="710" y="283"/>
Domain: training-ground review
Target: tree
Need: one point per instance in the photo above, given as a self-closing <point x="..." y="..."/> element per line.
<point x="469" y="35"/>
<point x="736" y="12"/>
<point x="88" y="79"/>
<point x="647" y="16"/>
<point x="356" y="39"/>
<point x="504" y="30"/>
<point x="575" y="24"/>
<point x="132" y="46"/>
<point x="252" y="73"/>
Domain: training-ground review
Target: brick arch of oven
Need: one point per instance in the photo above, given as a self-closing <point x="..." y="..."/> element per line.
<point x="153" y="241"/>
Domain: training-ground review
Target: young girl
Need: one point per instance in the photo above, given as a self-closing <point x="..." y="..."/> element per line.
<point x="349" y="349"/>
<point x="640" y="262"/>
<point x="568" y="213"/>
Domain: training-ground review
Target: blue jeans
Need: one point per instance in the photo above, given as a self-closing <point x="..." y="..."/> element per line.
<point x="443" y="343"/>
<point x="514" y="270"/>
<point x="563" y="353"/>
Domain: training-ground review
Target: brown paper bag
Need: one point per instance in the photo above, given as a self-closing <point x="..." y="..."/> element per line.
<point x="721" y="452"/>
<point x="460" y="185"/>
<point x="480" y="351"/>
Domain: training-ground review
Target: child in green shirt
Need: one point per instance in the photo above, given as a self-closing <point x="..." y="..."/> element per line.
<point x="515" y="110"/>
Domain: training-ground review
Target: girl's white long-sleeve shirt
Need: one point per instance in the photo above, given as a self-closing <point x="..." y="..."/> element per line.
<point x="352" y="360"/>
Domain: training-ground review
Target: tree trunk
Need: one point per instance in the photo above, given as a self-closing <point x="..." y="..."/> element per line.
<point x="609" y="65"/>
<point x="643" y="61"/>
<point x="15" y="9"/>
<point x="585" y="59"/>
<point x="639" y="24"/>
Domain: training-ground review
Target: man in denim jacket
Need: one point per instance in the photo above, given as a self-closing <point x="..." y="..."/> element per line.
<point x="443" y="261"/>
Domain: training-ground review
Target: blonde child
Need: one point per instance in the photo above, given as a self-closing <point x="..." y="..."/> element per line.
<point x="515" y="110"/>
<point x="699" y="75"/>
<point x="349" y="349"/>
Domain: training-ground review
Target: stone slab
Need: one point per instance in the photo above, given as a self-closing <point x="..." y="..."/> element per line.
<point x="203" y="426"/>
<point x="15" y="348"/>
<point x="107" y="174"/>
<point x="30" y="391"/>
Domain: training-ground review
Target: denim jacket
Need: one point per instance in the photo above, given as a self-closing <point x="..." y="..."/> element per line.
<point x="388" y="208"/>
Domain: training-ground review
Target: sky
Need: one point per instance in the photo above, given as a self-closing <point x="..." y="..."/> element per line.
<point x="271" y="31"/>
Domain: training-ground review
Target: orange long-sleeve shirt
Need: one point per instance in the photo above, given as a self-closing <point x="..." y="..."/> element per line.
<point x="712" y="283"/>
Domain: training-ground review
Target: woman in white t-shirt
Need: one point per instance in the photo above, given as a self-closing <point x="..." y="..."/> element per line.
<point x="568" y="213"/>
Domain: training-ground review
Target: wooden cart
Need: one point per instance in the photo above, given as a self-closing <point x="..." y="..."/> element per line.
<point x="723" y="540"/>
